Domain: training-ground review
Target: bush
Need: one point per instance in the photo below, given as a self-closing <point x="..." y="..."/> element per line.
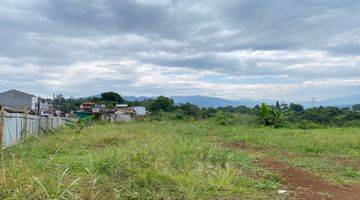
<point x="224" y="118"/>
<point x="352" y="123"/>
<point x="79" y="124"/>
<point x="304" y="124"/>
<point x="271" y="116"/>
<point x="245" y="119"/>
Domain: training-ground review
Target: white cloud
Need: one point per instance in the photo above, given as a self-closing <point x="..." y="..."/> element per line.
<point x="139" y="77"/>
<point x="230" y="48"/>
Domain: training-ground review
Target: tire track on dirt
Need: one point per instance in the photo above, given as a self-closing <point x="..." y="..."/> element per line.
<point x="304" y="185"/>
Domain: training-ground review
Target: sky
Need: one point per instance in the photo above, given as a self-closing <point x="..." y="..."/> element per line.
<point x="261" y="49"/>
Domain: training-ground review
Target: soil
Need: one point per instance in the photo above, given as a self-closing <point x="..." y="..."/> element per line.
<point x="244" y="146"/>
<point x="304" y="185"/>
<point x="307" y="186"/>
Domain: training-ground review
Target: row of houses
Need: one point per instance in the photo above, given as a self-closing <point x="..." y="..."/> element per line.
<point x="17" y="101"/>
<point x="122" y="112"/>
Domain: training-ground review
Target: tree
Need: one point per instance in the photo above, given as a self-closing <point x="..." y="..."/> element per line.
<point x="323" y="115"/>
<point x="243" y="110"/>
<point x="162" y="104"/>
<point x="296" y="107"/>
<point x="271" y="116"/>
<point x="66" y="105"/>
<point x="112" y="97"/>
<point x="190" y="110"/>
<point x="356" y="107"/>
<point x="208" y="112"/>
<point x="59" y="102"/>
<point x="224" y="118"/>
<point x="277" y="104"/>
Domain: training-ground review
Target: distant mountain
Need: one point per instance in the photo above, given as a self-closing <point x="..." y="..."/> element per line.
<point x="133" y="98"/>
<point x="341" y="101"/>
<point x="205" y="101"/>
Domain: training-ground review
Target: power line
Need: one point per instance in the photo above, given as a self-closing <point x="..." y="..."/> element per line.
<point x="4" y="88"/>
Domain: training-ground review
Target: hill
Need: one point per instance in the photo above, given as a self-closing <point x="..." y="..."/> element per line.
<point x="346" y="101"/>
<point x="206" y="101"/>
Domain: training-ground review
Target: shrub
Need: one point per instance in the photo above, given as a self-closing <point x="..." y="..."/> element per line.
<point x="271" y="116"/>
<point x="79" y="124"/>
<point x="224" y="118"/>
<point x="245" y="119"/>
<point x="304" y="124"/>
<point x="352" y="123"/>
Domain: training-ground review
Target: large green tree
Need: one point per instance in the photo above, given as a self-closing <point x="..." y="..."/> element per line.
<point x="190" y="110"/>
<point x="162" y="104"/>
<point x="356" y="107"/>
<point x="66" y="104"/>
<point x="112" y="97"/>
<point x="296" y="107"/>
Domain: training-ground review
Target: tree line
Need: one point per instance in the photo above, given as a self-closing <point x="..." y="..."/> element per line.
<point x="292" y="116"/>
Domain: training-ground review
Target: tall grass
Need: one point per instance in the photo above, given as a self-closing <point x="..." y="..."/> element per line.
<point x="329" y="141"/>
<point x="158" y="160"/>
<point x="333" y="153"/>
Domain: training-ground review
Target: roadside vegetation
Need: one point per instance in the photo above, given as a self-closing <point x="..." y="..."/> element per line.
<point x="160" y="160"/>
<point x="168" y="159"/>
<point x="187" y="152"/>
<point x="293" y="116"/>
<point x="331" y="153"/>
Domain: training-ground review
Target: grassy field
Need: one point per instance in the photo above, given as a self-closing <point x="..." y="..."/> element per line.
<point x="332" y="153"/>
<point x="172" y="160"/>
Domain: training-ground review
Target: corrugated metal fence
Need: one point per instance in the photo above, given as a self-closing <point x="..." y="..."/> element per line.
<point x="14" y="127"/>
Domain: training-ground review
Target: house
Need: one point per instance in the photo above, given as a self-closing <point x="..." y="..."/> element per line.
<point x="87" y="106"/>
<point x="121" y="105"/>
<point x="124" y="113"/>
<point x="98" y="108"/>
<point x="18" y="100"/>
<point x="139" y="110"/>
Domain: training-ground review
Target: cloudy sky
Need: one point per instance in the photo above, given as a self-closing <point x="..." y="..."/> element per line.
<point x="279" y="49"/>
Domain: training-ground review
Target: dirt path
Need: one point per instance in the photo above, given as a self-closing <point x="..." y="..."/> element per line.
<point x="304" y="185"/>
<point x="307" y="186"/>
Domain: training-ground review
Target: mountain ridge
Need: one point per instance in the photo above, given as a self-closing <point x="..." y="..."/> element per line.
<point x="208" y="101"/>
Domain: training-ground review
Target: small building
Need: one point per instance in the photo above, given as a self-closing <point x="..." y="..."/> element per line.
<point x="87" y="106"/>
<point x="98" y="108"/>
<point x="139" y="110"/>
<point x="18" y="100"/>
<point x="88" y="109"/>
<point x="121" y="105"/>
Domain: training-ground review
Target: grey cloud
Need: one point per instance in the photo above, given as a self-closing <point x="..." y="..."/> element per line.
<point x="111" y="17"/>
<point x="185" y="34"/>
<point x="293" y="24"/>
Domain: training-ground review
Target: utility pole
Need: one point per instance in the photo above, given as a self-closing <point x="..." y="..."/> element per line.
<point x="39" y="115"/>
<point x="52" y="106"/>
<point x="2" y="122"/>
<point x="38" y="106"/>
<point x="313" y="102"/>
<point x="25" y="131"/>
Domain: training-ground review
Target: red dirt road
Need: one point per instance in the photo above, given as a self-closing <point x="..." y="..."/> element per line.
<point x="307" y="186"/>
<point x="303" y="185"/>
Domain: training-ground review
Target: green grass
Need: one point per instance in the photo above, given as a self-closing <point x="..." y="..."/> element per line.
<point x="160" y="160"/>
<point x="171" y="160"/>
<point x="333" y="153"/>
